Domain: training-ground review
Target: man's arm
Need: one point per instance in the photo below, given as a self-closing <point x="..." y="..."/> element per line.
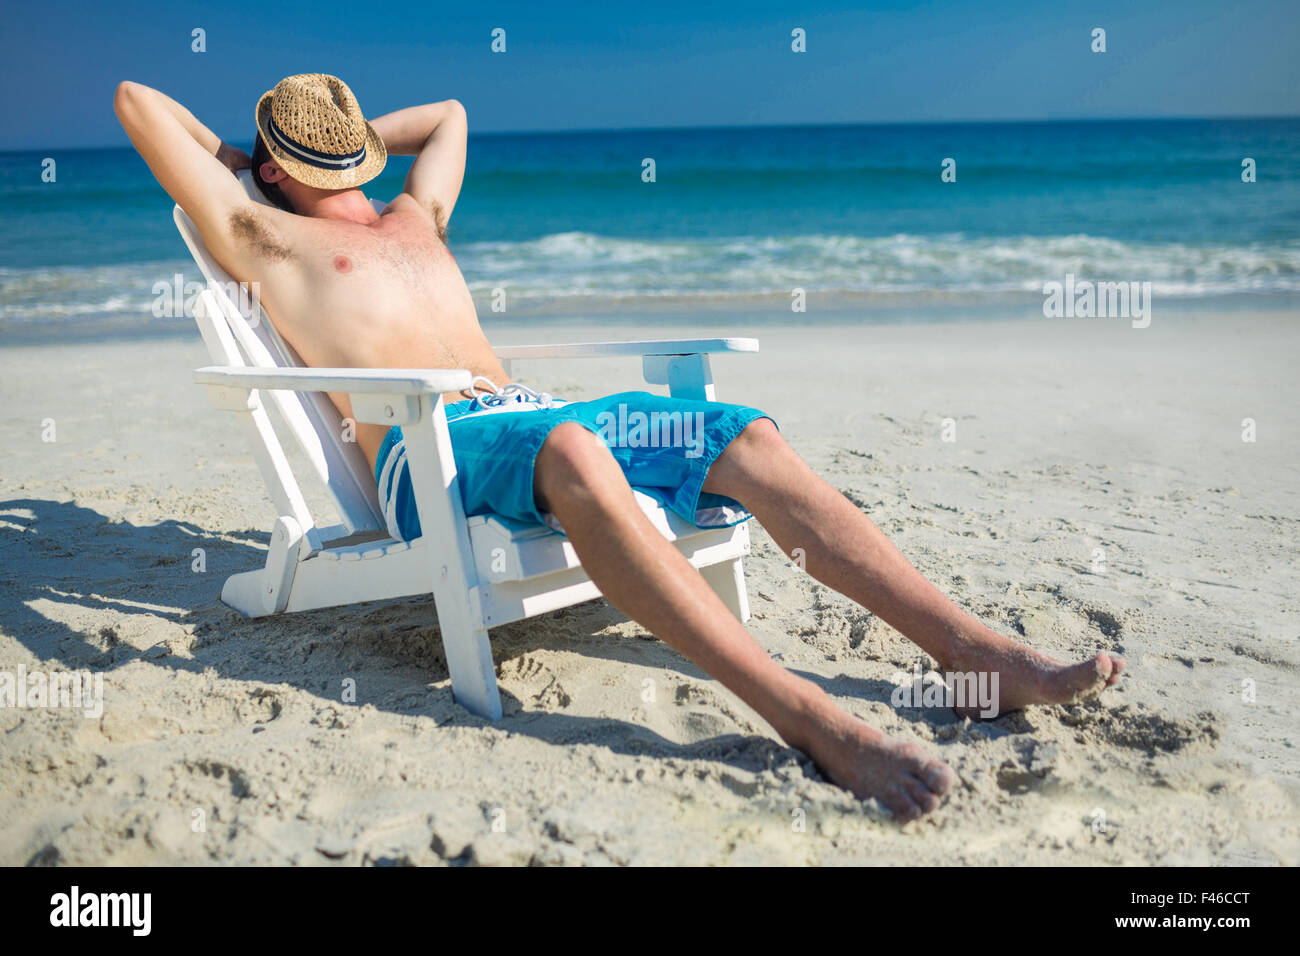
<point x="188" y="159"/>
<point x="435" y="134"/>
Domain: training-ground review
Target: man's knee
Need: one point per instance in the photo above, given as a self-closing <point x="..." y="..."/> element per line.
<point x="572" y="462"/>
<point x="572" y="447"/>
<point x="746" y="459"/>
<point x="759" y="435"/>
<point x="754" y="445"/>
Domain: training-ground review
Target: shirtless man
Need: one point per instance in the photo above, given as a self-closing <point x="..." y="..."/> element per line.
<point x="348" y="287"/>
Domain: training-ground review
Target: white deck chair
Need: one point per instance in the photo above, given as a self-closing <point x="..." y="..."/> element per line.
<point x="482" y="572"/>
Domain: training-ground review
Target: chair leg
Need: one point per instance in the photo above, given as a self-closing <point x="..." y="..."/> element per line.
<point x="728" y="582"/>
<point x="469" y="661"/>
<point x="451" y="560"/>
<point x="244" y="592"/>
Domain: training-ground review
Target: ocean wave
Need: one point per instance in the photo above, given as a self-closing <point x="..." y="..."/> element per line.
<point x="51" y="293"/>
<point x="579" y="263"/>
<point x="584" y="266"/>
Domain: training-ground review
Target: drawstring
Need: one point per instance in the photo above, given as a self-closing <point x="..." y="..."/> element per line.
<point x="512" y="392"/>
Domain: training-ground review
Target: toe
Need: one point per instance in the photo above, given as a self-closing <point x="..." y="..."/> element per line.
<point x="1081" y="680"/>
<point x="935" y="774"/>
<point x="1117" y="668"/>
<point x="1103" y="666"/>
<point x="939" y="777"/>
<point x="900" y="803"/>
<point x="921" y="794"/>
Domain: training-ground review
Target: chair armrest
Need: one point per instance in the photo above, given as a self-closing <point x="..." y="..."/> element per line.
<point x="643" y="347"/>
<point x="353" y="381"/>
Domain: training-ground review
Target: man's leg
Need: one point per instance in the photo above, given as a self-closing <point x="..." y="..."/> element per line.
<point x="645" y="577"/>
<point x="846" y="551"/>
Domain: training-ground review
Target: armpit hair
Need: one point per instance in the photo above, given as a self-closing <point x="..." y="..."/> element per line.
<point x="439" y="219"/>
<point x="247" y="226"/>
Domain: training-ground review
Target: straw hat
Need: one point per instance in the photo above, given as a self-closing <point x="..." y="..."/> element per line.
<point x="312" y="125"/>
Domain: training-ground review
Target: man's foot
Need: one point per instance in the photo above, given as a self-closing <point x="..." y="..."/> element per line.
<point x="901" y="776"/>
<point x="1027" y="677"/>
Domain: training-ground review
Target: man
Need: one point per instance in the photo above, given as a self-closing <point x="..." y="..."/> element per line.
<point x="348" y="287"/>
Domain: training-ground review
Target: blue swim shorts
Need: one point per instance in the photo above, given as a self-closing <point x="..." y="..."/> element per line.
<point x="665" y="447"/>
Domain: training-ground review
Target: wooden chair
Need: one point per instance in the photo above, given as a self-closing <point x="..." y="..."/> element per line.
<point x="483" y="571"/>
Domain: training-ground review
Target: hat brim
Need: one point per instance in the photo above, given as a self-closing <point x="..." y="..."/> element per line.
<point x="368" y="169"/>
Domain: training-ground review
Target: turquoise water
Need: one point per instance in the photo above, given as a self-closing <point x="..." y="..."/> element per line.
<point x="565" y="221"/>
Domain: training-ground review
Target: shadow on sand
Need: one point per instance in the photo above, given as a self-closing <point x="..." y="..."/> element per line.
<point x="81" y="591"/>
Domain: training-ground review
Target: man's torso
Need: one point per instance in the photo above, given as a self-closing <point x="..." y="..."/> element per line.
<point x="385" y="294"/>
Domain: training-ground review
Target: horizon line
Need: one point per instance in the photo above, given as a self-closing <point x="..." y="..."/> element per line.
<point x="790" y="126"/>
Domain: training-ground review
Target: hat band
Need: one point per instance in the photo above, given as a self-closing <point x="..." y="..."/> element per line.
<point x="314" y="157"/>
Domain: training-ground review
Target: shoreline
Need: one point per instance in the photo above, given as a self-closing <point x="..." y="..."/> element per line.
<point x="722" y="313"/>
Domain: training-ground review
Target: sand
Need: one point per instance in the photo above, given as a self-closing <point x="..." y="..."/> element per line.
<point x="228" y="740"/>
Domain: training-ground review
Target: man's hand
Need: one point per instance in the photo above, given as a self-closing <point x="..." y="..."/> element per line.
<point x="233" y="158"/>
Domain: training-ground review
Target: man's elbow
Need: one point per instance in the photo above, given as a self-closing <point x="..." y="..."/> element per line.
<point x="125" y="97"/>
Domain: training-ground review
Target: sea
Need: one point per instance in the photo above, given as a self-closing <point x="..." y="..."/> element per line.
<point x="882" y="219"/>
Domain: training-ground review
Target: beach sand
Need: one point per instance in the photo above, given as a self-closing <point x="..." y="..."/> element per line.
<point x="225" y="739"/>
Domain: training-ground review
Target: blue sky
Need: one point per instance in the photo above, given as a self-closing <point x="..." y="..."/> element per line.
<point x="654" y="63"/>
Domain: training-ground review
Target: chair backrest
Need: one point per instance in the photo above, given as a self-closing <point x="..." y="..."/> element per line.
<point x="312" y="418"/>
